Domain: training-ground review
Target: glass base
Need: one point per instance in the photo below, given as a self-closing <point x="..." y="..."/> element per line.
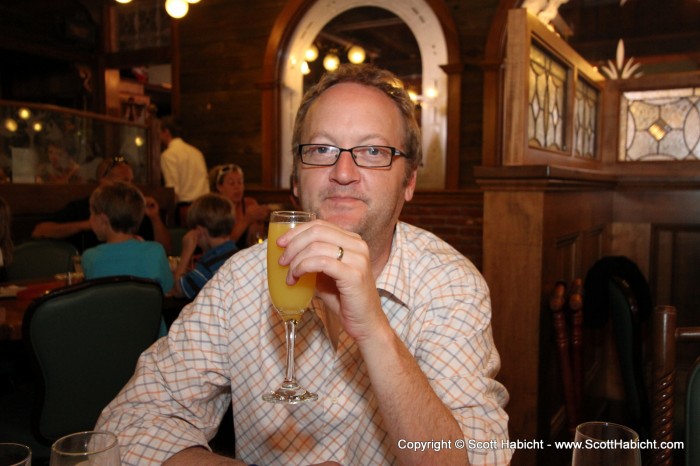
<point x="290" y="394"/>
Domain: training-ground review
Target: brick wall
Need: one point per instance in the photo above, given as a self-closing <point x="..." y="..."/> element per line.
<point x="457" y="217"/>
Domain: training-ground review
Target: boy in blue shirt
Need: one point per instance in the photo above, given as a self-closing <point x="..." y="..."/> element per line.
<point x="210" y="219"/>
<point x="116" y="211"/>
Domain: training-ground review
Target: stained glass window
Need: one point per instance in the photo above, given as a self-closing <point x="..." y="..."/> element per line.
<point x="547" y="99"/>
<point x="585" y="114"/>
<point x="660" y="125"/>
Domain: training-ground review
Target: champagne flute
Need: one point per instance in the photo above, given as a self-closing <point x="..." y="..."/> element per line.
<point x="86" y="448"/>
<point x="600" y="443"/>
<point x="289" y="301"/>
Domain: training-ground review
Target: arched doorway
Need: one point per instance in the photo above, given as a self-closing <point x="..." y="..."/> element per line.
<point x="282" y="90"/>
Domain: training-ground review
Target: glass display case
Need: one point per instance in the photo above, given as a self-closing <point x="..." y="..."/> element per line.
<point x="45" y="144"/>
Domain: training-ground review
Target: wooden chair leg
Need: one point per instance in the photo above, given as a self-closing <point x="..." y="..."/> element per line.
<point x="576" y="307"/>
<point x="663" y="360"/>
<point x="556" y="305"/>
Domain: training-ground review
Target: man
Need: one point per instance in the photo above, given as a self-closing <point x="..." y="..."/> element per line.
<point x="396" y="343"/>
<point x="72" y="223"/>
<point x="182" y="164"/>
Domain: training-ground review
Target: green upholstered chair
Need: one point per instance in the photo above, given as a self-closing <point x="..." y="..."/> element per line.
<point x="86" y="339"/>
<point x="41" y="258"/>
<point x="692" y="416"/>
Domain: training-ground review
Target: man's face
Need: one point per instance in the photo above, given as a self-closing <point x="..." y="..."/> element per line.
<point x="363" y="200"/>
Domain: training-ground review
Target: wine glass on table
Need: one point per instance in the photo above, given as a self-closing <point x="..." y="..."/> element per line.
<point x="86" y="449"/>
<point x="15" y="454"/>
<point x="290" y="301"/>
<point x="603" y="443"/>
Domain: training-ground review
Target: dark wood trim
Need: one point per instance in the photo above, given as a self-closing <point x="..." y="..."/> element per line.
<point x="269" y="85"/>
<point x="492" y="128"/>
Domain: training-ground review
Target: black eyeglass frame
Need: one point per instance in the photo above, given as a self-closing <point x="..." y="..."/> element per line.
<point x="394" y="153"/>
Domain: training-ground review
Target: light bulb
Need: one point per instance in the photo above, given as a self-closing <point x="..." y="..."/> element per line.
<point x="24" y="113"/>
<point x="311" y="53"/>
<point x="193" y="1"/>
<point x="356" y="54"/>
<point x="123" y="1"/>
<point x="305" y="68"/>
<point x="37" y="126"/>
<point x="176" y="8"/>
<point x="331" y="62"/>
<point x="11" y="125"/>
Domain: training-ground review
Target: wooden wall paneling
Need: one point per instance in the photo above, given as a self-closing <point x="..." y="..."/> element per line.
<point x="676" y="256"/>
<point x="512" y="266"/>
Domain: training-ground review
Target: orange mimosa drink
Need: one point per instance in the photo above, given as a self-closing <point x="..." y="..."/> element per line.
<point x="289" y="300"/>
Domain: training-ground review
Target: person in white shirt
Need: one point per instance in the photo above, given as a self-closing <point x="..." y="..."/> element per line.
<point x="183" y="165"/>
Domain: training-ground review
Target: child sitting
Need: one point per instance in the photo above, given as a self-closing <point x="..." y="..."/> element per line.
<point x="210" y="219"/>
<point x="116" y="211"/>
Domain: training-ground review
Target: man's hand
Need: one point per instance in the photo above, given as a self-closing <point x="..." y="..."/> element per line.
<point x="345" y="284"/>
<point x="152" y="207"/>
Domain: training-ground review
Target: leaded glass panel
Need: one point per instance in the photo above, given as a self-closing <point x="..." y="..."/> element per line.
<point x="660" y="125"/>
<point x="585" y="116"/>
<point x="547" y="99"/>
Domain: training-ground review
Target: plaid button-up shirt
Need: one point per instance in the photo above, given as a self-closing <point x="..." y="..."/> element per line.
<point x="228" y="346"/>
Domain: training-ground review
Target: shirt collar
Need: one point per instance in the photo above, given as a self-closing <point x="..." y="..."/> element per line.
<point x="394" y="278"/>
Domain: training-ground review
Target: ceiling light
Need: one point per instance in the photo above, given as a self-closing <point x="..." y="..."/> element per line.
<point x="11" y="125"/>
<point x="176" y="8"/>
<point x="331" y="62"/>
<point x="356" y="54"/>
<point x="123" y="1"/>
<point x="311" y="53"/>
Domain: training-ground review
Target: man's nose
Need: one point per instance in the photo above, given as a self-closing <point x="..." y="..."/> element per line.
<point x="345" y="169"/>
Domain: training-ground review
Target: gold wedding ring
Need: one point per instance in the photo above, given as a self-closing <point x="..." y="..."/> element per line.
<point x="340" y="253"/>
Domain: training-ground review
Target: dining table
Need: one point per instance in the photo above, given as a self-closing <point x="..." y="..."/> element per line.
<point x="16" y="296"/>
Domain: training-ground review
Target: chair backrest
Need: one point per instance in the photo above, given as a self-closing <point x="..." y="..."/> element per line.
<point x="692" y="416"/>
<point x="86" y="339"/>
<point x="617" y="291"/>
<point x="624" y="314"/>
<point x="665" y="336"/>
<point x="41" y="258"/>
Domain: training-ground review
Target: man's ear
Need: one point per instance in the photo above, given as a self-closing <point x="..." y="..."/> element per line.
<point x="294" y="181"/>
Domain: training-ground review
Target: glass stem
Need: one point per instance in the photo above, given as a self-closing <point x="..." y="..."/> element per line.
<point x="290" y="327"/>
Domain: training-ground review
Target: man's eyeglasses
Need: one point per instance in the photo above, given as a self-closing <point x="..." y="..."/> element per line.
<point x="324" y="155"/>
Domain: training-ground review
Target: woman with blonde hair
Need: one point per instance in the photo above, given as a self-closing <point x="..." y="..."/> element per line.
<point x="228" y="181"/>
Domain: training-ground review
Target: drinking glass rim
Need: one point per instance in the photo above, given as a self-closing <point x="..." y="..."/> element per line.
<point x="21" y="446"/>
<point x="606" y="424"/>
<point x="289" y="214"/>
<point x="112" y="436"/>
